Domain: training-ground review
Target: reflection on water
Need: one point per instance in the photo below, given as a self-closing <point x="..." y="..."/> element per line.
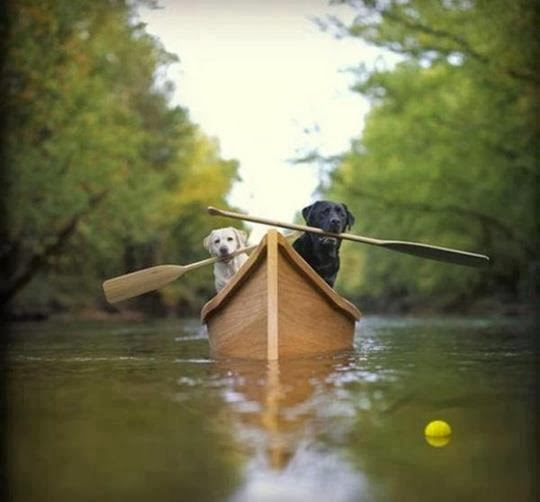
<point x="278" y="410"/>
<point x="110" y="412"/>
<point x="309" y="475"/>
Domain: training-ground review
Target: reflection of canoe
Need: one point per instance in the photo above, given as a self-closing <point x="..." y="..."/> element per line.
<point x="284" y="415"/>
<point x="277" y="306"/>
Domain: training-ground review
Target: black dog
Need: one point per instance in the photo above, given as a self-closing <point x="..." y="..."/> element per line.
<point x="321" y="252"/>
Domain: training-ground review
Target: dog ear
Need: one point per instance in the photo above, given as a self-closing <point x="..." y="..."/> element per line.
<point x="306" y="212"/>
<point x="207" y="240"/>
<point x="350" y="217"/>
<point x="241" y="237"/>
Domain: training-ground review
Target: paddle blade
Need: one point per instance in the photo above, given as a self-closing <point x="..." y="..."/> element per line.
<point x="139" y="282"/>
<point x="437" y="253"/>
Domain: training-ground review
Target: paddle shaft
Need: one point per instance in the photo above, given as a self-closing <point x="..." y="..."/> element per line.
<point x="413" y="248"/>
<point x="211" y="261"/>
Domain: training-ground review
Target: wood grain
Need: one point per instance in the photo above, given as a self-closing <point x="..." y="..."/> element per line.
<point x="273" y="306"/>
<point x="309" y="330"/>
<point x="240" y="330"/>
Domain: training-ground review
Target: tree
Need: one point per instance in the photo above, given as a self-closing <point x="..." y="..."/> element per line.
<point x="449" y="151"/>
<point x="95" y="154"/>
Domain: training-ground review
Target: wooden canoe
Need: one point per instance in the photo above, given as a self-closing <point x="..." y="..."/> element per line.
<point x="277" y="306"/>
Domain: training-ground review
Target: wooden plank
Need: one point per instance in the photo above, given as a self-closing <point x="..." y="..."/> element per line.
<point x="315" y="279"/>
<point x="315" y="324"/>
<point x="239" y="330"/>
<point x="273" y="310"/>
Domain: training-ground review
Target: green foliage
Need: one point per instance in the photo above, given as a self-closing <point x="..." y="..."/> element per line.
<point x="103" y="175"/>
<point x="449" y="151"/>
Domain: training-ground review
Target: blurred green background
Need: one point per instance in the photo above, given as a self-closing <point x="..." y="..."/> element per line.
<point x="101" y="175"/>
<point x="449" y="153"/>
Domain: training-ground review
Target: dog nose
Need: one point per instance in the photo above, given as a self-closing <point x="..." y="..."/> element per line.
<point x="223" y="251"/>
<point x="335" y="223"/>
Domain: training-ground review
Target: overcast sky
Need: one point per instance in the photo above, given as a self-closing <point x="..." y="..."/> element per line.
<point x="264" y="80"/>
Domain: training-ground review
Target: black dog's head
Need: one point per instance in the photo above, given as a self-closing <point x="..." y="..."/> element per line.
<point x="329" y="216"/>
<point x="319" y="251"/>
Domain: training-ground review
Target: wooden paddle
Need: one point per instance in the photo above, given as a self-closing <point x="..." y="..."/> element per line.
<point x="413" y="248"/>
<point x="145" y="280"/>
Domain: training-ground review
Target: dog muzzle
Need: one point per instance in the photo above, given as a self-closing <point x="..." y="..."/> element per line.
<point x="329" y="241"/>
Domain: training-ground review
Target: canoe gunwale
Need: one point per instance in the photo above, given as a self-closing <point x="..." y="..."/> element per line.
<point x="260" y="253"/>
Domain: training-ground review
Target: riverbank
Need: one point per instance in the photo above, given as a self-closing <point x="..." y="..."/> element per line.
<point x="492" y="307"/>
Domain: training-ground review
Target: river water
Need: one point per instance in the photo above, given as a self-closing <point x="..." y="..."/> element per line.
<point x="138" y="411"/>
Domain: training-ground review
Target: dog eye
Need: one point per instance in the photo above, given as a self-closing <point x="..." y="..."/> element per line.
<point x="326" y="210"/>
<point x="229" y="239"/>
<point x="216" y="241"/>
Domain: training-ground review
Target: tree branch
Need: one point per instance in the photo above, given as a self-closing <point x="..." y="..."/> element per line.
<point x="462" y="45"/>
<point x="487" y="220"/>
<point x="39" y="260"/>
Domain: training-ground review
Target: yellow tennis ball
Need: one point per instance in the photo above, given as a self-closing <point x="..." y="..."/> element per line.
<point x="437" y="429"/>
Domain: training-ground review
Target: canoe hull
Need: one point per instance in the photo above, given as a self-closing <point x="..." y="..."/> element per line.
<point x="278" y="307"/>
